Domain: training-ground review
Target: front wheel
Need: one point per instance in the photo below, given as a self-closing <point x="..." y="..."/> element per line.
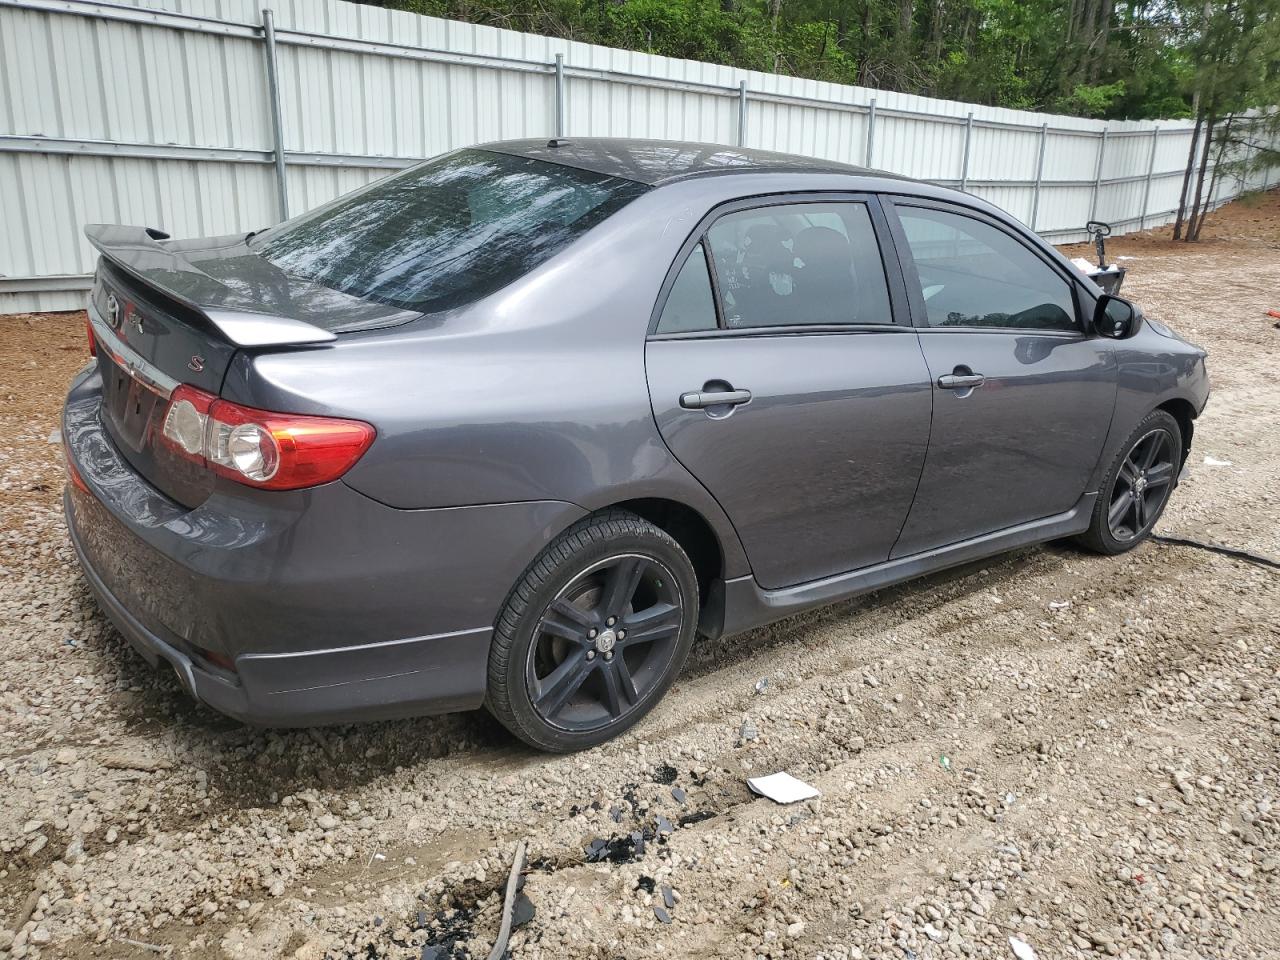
<point x="1136" y="489"/>
<point x="594" y="633"/>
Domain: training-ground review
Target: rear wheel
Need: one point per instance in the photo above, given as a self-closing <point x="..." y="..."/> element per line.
<point x="1137" y="487"/>
<point x="594" y="633"/>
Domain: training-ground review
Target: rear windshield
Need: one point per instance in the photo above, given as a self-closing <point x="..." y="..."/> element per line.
<point x="446" y="232"/>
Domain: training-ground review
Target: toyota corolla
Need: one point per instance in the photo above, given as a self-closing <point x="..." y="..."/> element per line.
<point x="511" y="427"/>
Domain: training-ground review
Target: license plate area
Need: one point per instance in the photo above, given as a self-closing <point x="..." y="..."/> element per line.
<point x="130" y="405"/>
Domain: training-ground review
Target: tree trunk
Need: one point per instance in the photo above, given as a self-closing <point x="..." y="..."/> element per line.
<point x="864" y="44"/>
<point x="904" y="22"/>
<point x="1194" y="233"/>
<point x="1204" y="164"/>
<point x="1089" y="25"/>
<point x="935" y="30"/>
<point x="1100" y="42"/>
<point x="1186" y="174"/>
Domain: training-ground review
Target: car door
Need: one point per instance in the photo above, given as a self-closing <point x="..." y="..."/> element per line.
<point x="785" y="376"/>
<point x="1023" y="395"/>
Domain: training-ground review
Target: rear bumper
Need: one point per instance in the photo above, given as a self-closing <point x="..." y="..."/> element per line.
<point x="432" y="674"/>
<point x="333" y="607"/>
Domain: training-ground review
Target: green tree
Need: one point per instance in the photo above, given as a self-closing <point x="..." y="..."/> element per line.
<point x="1235" y="49"/>
<point x="1098" y="58"/>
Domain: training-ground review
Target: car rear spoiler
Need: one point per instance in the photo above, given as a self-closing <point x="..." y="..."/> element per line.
<point x="139" y="252"/>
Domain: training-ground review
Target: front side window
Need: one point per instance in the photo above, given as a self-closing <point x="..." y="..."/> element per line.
<point x="973" y="274"/>
<point x="799" y="264"/>
<point x="446" y="232"/>
<point x="690" y="306"/>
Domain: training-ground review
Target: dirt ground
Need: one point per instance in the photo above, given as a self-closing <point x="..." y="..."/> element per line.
<point x="1077" y="752"/>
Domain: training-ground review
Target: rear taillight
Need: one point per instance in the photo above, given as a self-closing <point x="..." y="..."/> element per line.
<point x="93" y="341"/>
<point x="274" y="451"/>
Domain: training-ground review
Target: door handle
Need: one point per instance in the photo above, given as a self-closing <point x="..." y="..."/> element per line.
<point x="701" y="399"/>
<point x="957" y="381"/>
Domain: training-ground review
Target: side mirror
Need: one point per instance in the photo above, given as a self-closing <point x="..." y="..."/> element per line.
<point x="1115" y="318"/>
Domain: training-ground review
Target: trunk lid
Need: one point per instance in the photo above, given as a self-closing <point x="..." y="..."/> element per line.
<point x="170" y="313"/>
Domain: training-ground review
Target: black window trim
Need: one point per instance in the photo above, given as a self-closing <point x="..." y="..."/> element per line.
<point x="899" y="304"/>
<point x="915" y="296"/>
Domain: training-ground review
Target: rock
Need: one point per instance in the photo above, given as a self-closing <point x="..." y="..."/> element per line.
<point x="313" y="949"/>
<point x="326" y="821"/>
<point x="135" y="761"/>
<point x="794" y="930"/>
<point x="74" y="851"/>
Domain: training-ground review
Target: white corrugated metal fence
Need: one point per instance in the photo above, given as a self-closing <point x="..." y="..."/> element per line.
<point x="160" y="112"/>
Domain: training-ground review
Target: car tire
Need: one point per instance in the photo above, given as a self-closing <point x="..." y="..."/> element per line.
<point x="566" y="622"/>
<point x="1118" y="524"/>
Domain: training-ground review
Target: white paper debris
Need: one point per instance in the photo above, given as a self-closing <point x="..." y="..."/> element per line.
<point x="1215" y="462"/>
<point x="782" y="788"/>
<point x="1059" y="604"/>
<point x="1022" y="950"/>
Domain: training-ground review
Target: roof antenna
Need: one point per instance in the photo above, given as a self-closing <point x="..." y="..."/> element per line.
<point x="557" y="142"/>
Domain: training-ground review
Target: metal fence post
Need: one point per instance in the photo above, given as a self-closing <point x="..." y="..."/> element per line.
<point x="559" y="95"/>
<point x="964" y="163"/>
<point x="1097" y="175"/>
<point x="742" y="113"/>
<point x="871" y="131"/>
<point x="1035" y="199"/>
<point x="1151" y="168"/>
<point x="277" y="124"/>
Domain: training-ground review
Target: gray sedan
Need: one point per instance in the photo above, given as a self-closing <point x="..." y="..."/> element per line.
<point x="513" y="426"/>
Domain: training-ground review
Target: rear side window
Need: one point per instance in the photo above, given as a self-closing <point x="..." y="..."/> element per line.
<point x="690" y="306"/>
<point x="975" y="275"/>
<point x="800" y="264"/>
<point x="446" y="232"/>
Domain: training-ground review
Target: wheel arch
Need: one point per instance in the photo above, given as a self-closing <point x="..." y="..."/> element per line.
<point x="710" y="542"/>
<point x="1185" y="414"/>
<point x="690" y="529"/>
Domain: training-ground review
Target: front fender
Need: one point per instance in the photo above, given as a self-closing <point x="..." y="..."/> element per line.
<point x="1152" y="370"/>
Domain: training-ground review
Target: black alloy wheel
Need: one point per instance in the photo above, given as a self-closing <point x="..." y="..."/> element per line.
<point x="1142" y="486"/>
<point x="604" y="642"/>
<point x="1137" y="487"/>
<point x="593" y="634"/>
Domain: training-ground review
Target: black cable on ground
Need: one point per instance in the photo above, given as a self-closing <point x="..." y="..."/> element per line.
<point x="1244" y="555"/>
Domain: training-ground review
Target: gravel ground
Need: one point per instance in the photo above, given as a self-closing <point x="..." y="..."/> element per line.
<point x="1077" y="752"/>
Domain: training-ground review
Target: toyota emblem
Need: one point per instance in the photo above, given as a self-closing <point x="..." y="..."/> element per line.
<point x="113" y="311"/>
